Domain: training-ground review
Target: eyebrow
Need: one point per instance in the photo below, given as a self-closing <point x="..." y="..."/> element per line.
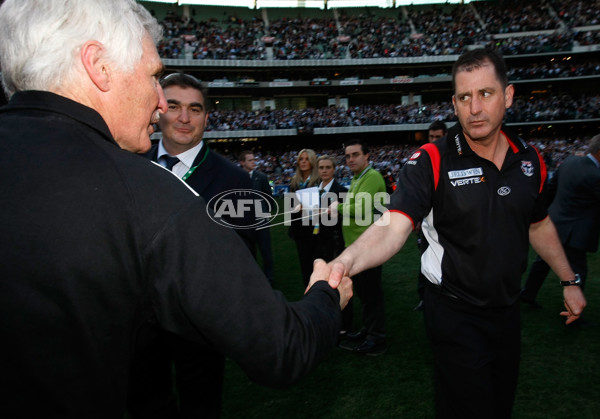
<point x="160" y="71"/>
<point x="191" y="105"/>
<point x="483" y="89"/>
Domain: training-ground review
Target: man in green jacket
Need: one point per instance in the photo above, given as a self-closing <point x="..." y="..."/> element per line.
<point x="365" y="200"/>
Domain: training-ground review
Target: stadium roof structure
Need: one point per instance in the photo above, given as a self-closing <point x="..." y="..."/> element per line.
<point x="320" y="4"/>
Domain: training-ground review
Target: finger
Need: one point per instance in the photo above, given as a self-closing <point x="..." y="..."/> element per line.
<point x="336" y="275"/>
<point x="570" y="318"/>
<point x="319" y="265"/>
<point x="574" y="309"/>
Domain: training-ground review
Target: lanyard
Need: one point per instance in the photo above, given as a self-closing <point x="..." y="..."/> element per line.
<point x="192" y="169"/>
<point x="353" y="185"/>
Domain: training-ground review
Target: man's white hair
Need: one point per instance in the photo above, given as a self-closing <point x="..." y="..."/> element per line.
<point x="40" y="39"/>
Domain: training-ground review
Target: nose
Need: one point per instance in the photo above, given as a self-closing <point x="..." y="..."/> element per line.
<point x="162" y="101"/>
<point x="475" y="105"/>
<point x="184" y="115"/>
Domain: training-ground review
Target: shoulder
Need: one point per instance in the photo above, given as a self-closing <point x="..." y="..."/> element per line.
<point x="336" y="187"/>
<point x="374" y="175"/>
<point x="152" y="153"/>
<point x="227" y="168"/>
<point x="372" y="181"/>
<point x="260" y="175"/>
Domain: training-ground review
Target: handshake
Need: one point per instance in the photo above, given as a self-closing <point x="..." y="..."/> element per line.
<point x="335" y="274"/>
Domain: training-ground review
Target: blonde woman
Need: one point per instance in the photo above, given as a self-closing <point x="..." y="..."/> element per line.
<point x="300" y="231"/>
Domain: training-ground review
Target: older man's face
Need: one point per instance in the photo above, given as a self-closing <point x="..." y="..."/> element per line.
<point x="138" y="101"/>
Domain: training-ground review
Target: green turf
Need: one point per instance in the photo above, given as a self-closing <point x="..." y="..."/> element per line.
<point x="560" y="375"/>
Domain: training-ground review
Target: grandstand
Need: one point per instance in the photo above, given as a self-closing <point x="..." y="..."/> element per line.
<point x="292" y="77"/>
<point x="283" y="77"/>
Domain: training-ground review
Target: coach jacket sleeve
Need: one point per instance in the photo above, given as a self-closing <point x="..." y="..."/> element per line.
<point x="209" y="289"/>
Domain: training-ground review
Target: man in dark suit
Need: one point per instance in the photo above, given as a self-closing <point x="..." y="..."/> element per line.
<point x="260" y="182"/>
<point x="183" y="151"/>
<point x="330" y="239"/>
<point x="575" y="210"/>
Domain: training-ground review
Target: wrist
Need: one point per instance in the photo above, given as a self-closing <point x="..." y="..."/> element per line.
<point x="576" y="281"/>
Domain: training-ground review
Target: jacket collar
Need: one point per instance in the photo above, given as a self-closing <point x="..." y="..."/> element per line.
<point x="51" y="102"/>
<point x="457" y="141"/>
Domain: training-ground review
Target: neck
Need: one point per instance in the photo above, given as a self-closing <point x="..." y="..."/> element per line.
<point x="326" y="182"/>
<point x="492" y="149"/>
<point x="175" y="149"/>
<point x="358" y="172"/>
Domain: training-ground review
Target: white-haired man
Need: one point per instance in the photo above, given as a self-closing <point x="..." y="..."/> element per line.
<point x="97" y="240"/>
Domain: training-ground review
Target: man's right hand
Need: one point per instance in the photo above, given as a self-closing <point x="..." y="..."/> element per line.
<point x="336" y="278"/>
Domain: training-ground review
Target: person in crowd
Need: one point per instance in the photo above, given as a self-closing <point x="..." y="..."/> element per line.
<point x="329" y="241"/>
<point x="301" y="229"/>
<point x="436" y="130"/>
<point x="260" y="182"/>
<point x="182" y="150"/>
<point x="575" y="211"/>
<point x="365" y="198"/>
<point x="98" y="240"/>
<point x="198" y="371"/>
<point x="480" y="196"/>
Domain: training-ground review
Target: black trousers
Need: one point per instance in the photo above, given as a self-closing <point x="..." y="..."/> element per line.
<point x="305" y="245"/>
<point x="539" y="270"/>
<point x="476" y="354"/>
<point x="368" y="288"/>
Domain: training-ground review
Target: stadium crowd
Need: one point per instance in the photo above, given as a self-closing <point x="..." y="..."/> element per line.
<point x="417" y="31"/>
<point x="553" y="108"/>
<point x="389" y="159"/>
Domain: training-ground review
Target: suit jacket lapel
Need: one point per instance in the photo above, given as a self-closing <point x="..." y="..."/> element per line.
<point x="202" y="178"/>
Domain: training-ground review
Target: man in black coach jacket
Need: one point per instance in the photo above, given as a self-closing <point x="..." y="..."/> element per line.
<point x="96" y="240"/>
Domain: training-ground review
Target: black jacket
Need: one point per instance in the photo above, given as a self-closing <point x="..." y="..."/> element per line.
<point x="330" y="240"/>
<point x="97" y="240"/>
<point x="214" y="175"/>
<point x="575" y="209"/>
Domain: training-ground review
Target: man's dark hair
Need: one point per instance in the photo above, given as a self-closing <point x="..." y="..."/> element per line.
<point x="438" y="125"/>
<point x="357" y="141"/>
<point x="184" y="81"/>
<point x="476" y="58"/>
<point x="243" y="154"/>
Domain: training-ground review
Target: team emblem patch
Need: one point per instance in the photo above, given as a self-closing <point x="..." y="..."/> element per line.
<point x="527" y="168"/>
<point x="415" y="155"/>
<point x="503" y="190"/>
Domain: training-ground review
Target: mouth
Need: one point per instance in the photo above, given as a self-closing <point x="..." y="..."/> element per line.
<point x="477" y="123"/>
<point x="183" y="130"/>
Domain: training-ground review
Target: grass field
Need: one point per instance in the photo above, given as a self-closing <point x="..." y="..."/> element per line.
<point x="560" y="368"/>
